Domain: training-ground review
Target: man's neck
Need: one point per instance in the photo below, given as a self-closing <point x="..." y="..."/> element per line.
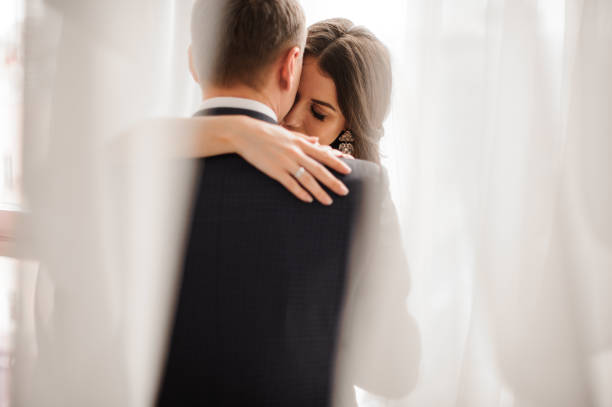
<point x="241" y="91"/>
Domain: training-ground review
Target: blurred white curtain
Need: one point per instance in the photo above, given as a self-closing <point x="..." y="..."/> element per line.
<point x="104" y="217"/>
<point x="498" y="148"/>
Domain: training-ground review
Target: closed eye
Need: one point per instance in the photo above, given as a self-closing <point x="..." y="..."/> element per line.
<point x="317" y="115"/>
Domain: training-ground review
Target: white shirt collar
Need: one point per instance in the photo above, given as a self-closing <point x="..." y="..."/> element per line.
<point x="240" y="103"/>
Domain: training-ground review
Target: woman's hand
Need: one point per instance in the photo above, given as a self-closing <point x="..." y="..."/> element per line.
<point x="279" y="153"/>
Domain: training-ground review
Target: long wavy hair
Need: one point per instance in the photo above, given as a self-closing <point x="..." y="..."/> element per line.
<point x="360" y="66"/>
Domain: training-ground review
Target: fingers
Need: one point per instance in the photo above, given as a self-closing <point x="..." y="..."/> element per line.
<point x="310" y="139"/>
<point x="339" y="153"/>
<point x="294" y="187"/>
<point x="308" y="181"/>
<point x="327" y="156"/>
<point x="278" y="153"/>
<point x="322" y="174"/>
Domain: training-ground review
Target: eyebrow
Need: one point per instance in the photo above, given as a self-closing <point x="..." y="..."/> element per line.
<point x="320" y="102"/>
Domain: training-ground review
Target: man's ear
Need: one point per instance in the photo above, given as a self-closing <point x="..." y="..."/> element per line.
<point x="290" y="68"/>
<point x="194" y="74"/>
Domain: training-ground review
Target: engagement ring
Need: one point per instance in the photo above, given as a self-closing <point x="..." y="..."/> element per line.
<point x="299" y="173"/>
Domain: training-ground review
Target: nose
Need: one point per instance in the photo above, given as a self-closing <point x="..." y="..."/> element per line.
<point x="293" y="120"/>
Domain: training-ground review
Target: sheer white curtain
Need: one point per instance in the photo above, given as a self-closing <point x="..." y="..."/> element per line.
<point x="104" y="217"/>
<point x="497" y="146"/>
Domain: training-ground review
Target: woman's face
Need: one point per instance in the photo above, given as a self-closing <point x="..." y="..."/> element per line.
<point x="315" y="111"/>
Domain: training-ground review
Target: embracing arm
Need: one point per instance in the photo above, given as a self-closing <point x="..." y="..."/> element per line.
<point x="275" y="151"/>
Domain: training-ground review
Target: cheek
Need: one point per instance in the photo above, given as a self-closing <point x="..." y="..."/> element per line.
<point x="328" y="137"/>
<point x="323" y="130"/>
<point x="330" y="129"/>
<point x="314" y="127"/>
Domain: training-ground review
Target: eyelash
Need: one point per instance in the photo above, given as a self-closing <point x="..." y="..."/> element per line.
<point x="316" y="115"/>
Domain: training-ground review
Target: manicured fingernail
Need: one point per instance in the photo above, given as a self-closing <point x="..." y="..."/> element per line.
<point x="328" y="201"/>
<point x="344" y="190"/>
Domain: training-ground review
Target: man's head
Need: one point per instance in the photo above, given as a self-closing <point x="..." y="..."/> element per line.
<point x="249" y="43"/>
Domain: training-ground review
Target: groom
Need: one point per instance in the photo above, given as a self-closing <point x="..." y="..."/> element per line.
<point x="261" y="297"/>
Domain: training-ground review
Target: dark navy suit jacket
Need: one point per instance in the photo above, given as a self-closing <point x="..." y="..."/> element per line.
<point x="263" y="284"/>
